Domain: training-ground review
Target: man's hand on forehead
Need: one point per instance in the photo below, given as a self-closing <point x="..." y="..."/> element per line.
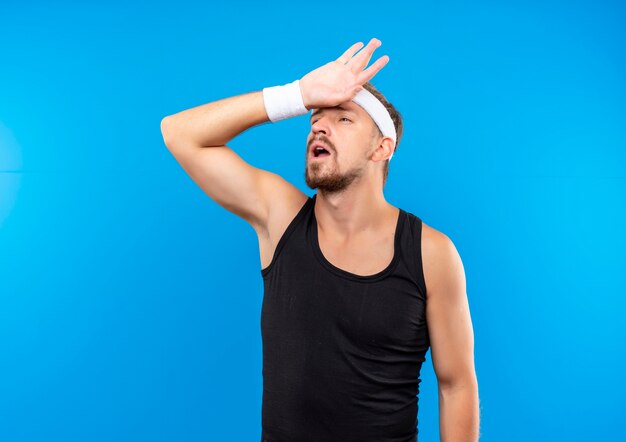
<point x="340" y="80"/>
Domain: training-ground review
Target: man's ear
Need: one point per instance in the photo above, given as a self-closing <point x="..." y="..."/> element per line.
<point x="384" y="149"/>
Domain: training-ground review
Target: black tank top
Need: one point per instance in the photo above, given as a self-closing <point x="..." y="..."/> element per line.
<point x="342" y="352"/>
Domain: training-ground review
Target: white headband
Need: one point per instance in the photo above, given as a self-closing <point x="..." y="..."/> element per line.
<point x="378" y="112"/>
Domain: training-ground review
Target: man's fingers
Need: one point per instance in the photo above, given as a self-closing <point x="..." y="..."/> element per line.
<point x="368" y="73"/>
<point x="358" y="62"/>
<point x="361" y="60"/>
<point x="349" y="53"/>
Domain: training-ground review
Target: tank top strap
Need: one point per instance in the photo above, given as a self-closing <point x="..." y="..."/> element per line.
<point x="412" y="250"/>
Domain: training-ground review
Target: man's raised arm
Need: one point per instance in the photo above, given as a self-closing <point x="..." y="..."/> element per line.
<point x="197" y="138"/>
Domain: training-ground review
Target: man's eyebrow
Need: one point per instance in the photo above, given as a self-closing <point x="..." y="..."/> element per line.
<point x="322" y="109"/>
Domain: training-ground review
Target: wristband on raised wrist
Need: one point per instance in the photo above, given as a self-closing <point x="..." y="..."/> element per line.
<point x="282" y="102"/>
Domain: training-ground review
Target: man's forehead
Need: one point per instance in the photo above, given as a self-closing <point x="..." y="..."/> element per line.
<point x="347" y="106"/>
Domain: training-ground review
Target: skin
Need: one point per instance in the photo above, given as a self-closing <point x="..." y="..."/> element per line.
<point x="355" y="222"/>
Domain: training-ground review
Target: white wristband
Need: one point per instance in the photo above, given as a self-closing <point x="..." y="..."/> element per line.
<point x="284" y="101"/>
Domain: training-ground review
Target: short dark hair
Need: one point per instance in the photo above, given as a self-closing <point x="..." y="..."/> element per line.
<point x="396" y="117"/>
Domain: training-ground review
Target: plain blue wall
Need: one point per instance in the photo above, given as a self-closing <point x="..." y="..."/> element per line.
<point x="130" y="302"/>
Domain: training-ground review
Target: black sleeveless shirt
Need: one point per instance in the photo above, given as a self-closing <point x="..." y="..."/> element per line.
<point x="342" y="352"/>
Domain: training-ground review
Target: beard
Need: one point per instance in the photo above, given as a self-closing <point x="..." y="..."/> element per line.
<point x="324" y="176"/>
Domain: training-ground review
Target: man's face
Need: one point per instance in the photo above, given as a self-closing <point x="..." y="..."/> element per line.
<point x="346" y="132"/>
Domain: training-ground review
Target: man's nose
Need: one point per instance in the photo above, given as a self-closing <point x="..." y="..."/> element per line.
<point x="319" y="126"/>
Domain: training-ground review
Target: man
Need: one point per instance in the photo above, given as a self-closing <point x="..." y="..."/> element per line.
<point x="356" y="290"/>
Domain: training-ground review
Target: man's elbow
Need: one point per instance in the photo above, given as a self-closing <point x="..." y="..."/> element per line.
<point x="467" y="382"/>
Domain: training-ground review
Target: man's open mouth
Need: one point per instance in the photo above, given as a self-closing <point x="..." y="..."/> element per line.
<point x="320" y="152"/>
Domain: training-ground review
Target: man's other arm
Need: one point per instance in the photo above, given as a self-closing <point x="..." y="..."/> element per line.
<point x="452" y="340"/>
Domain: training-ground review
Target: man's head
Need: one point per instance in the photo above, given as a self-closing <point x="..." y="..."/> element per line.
<point x="356" y="145"/>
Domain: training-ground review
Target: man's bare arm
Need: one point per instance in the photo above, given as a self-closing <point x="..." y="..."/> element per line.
<point x="197" y="138"/>
<point x="452" y="340"/>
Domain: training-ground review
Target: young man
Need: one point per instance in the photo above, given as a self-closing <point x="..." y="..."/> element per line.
<point x="356" y="290"/>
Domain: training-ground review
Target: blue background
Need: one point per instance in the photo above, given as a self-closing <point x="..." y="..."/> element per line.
<point x="130" y="302"/>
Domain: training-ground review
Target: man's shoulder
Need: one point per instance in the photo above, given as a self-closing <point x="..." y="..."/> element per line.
<point x="440" y="258"/>
<point x="433" y="239"/>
